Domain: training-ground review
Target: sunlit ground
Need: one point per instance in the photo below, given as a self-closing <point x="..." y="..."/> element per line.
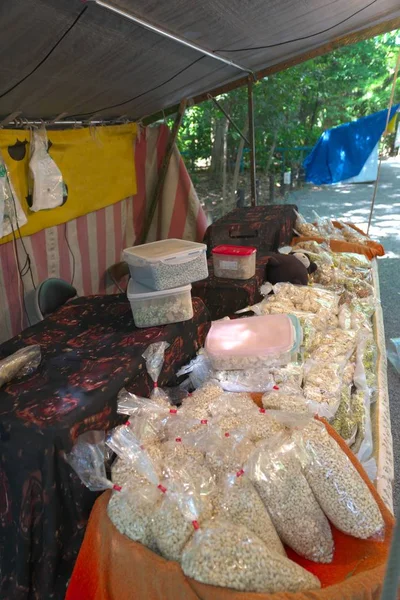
<point x="352" y="203"/>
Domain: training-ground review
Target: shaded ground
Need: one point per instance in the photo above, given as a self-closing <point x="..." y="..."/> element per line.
<point x="352" y="202"/>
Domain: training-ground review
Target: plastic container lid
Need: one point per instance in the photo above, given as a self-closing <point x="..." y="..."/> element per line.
<point x="234" y="250"/>
<point x="137" y="291"/>
<point x="251" y="336"/>
<point x="164" y="250"/>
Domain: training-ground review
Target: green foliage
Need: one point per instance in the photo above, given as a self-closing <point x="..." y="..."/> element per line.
<point x="293" y="107"/>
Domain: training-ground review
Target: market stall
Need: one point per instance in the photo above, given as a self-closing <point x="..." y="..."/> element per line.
<point x="187" y="482"/>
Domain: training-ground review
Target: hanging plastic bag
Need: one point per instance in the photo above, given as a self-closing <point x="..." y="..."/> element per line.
<point x="276" y="471"/>
<point x="340" y="490"/>
<point x="23" y="362"/>
<point x="238" y="502"/>
<point x="228" y="555"/>
<point x="48" y="185"/>
<point x="12" y="216"/>
<point x="154" y="357"/>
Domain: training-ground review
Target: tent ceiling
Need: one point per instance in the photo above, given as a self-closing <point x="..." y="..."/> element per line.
<point x="82" y="60"/>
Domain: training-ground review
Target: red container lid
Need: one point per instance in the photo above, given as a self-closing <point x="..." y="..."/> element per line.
<point x="234" y="250"/>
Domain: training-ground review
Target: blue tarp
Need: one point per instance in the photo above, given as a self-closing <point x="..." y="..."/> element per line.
<point x="341" y="152"/>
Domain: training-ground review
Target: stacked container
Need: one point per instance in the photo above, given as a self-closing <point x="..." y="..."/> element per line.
<point x="161" y="275"/>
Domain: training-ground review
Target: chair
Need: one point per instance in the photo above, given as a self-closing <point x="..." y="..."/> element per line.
<point x="117" y="273"/>
<point x="50" y="295"/>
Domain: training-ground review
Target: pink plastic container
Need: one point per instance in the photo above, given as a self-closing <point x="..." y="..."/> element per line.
<point x="251" y="342"/>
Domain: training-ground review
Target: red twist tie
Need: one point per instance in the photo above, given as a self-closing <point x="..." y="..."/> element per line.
<point x="227" y="434"/>
<point x="196" y="525"/>
<point x="189" y="394"/>
<point x="162" y="488"/>
<point x="155" y="384"/>
<point x="117" y="488"/>
<point x="127" y="423"/>
<point x="204" y="421"/>
<point x="142" y="447"/>
<point x="262" y="410"/>
<point x="240" y="473"/>
<point x="276" y="387"/>
<point x="173" y="411"/>
<point x="178" y="439"/>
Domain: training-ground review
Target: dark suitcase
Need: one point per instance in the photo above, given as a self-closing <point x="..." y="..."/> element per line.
<point x="267" y="228"/>
<point x="223" y="297"/>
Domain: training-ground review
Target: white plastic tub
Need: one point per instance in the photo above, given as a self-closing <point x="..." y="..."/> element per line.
<point x="150" y="308"/>
<point x="234" y="262"/>
<point x="167" y="264"/>
<point x="252" y="342"/>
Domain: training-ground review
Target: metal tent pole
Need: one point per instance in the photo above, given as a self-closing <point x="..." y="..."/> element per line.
<point x="396" y="72"/>
<point x="168" y="34"/>
<point x="253" y="196"/>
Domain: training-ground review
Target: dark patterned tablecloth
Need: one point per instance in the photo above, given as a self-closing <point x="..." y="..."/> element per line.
<point x="267" y="228"/>
<point x="223" y="297"/>
<point x="90" y="349"/>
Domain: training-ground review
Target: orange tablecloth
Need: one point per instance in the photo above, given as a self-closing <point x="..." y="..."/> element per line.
<point x="112" y="567"/>
<point x="370" y="249"/>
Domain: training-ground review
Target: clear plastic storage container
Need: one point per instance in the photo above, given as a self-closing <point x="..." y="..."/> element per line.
<point x="167" y="264"/>
<point x="234" y="262"/>
<point x="252" y="342"/>
<point x="150" y="308"/>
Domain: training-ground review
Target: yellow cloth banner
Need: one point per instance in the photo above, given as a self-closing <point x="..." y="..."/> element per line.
<point x="97" y="165"/>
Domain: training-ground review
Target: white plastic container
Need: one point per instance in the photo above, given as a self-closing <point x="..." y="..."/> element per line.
<point x="234" y="262"/>
<point x="167" y="264"/>
<point x="150" y="308"/>
<point x="252" y="342"/>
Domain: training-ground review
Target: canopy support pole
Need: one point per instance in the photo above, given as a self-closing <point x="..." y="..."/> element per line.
<point x="253" y="196"/>
<point x="163" y="171"/>
<point x="169" y="35"/>
<point x="231" y="121"/>
<point x="396" y="72"/>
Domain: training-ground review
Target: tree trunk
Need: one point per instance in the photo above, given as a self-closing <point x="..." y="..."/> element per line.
<point x="217" y="155"/>
<point x="271" y="154"/>
<point x="224" y="164"/>
<point x="237" y="164"/>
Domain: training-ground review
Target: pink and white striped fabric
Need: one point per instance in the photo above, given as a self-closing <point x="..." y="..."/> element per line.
<point x="97" y="239"/>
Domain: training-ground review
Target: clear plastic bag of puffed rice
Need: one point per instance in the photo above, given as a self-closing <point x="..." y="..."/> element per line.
<point x="132" y="511"/>
<point x="340" y="490"/>
<point x="197" y="404"/>
<point x="237" y="501"/>
<point x="185" y="504"/>
<point x="276" y="472"/>
<point x="224" y="451"/>
<point x="154" y="357"/>
<point x="231" y="403"/>
<point x="305" y="228"/>
<point x="308" y="298"/>
<point x="336" y="345"/>
<point x="322" y="386"/>
<point x="229" y="555"/>
<point x="286" y="400"/>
